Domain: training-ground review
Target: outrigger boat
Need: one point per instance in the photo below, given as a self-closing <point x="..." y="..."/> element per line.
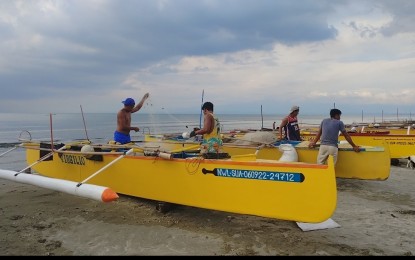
<point x="372" y="163"/>
<point x="387" y="130"/>
<point x="371" y="129"/>
<point x="297" y="191"/>
<point x="400" y="146"/>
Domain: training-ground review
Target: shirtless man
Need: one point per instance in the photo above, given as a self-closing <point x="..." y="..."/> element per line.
<point x="122" y="134"/>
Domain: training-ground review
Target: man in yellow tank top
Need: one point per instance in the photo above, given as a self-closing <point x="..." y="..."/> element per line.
<point x="211" y="130"/>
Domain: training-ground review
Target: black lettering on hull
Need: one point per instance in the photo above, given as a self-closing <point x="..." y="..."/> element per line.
<point x="73" y="159"/>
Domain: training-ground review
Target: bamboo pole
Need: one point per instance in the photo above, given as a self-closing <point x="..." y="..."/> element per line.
<point x="105" y="167"/>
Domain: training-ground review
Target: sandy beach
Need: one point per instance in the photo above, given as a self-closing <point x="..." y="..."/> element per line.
<point x="375" y="218"/>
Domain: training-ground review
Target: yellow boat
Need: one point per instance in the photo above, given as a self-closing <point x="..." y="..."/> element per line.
<point x="304" y="192"/>
<point x="389" y="130"/>
<point x="372" y="163"/>
<point x="400" y="146"/>
<point x="370" y="129"/>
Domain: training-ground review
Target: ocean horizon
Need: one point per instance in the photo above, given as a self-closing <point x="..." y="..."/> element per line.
<point x="99" y="127"/>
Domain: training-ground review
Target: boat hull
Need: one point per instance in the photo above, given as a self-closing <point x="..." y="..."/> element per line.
<point x="372" y="163"/>
<point x="267" y="188"/>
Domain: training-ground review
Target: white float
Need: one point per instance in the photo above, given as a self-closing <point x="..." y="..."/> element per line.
<point x="91" y="191"/>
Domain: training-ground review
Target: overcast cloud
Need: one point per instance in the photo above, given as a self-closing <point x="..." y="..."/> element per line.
<point x="57" y="55"/>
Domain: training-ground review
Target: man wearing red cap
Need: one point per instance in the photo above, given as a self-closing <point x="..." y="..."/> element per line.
<point x="122" y="134"/>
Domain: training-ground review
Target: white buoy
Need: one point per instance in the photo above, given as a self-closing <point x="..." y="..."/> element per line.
<point x="91" y="191"/>
<point x="87" y="149"/>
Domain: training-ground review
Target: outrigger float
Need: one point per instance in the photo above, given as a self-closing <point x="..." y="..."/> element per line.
<point x="296" y="191"/>
<point x="100" y="193"/>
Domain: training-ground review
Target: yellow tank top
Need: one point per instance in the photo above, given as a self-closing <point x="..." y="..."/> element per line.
<point x="215" y="132"/>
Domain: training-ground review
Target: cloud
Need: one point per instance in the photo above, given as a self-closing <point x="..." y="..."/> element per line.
<point x="243" y="54"/>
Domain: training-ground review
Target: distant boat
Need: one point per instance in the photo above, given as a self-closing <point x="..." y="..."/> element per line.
<point x="399" y="145"/>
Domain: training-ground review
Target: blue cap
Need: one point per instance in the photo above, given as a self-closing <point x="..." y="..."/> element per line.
<point x="129" y="102"/>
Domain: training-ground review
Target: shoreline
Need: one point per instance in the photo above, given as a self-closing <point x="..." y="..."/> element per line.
<point x="375" y="218"/>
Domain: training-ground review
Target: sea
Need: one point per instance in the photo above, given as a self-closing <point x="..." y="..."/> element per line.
<point x="99" y="128"/>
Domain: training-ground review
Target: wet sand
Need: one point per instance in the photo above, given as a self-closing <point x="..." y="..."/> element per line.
<point x="376" y="218"/>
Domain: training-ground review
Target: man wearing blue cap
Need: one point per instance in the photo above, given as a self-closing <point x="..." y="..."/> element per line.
<point x="122" y="134"/>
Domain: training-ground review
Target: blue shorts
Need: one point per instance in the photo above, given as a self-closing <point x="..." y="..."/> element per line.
<point x="121" y="138"/>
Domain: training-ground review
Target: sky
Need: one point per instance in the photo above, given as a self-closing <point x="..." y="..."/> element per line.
<point x="245" y="56"/>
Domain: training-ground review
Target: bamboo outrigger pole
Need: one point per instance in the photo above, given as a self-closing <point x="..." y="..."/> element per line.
<point x="38" y="161"/>
<point x="8" y="151"/>
<point x="105" y="167"/>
